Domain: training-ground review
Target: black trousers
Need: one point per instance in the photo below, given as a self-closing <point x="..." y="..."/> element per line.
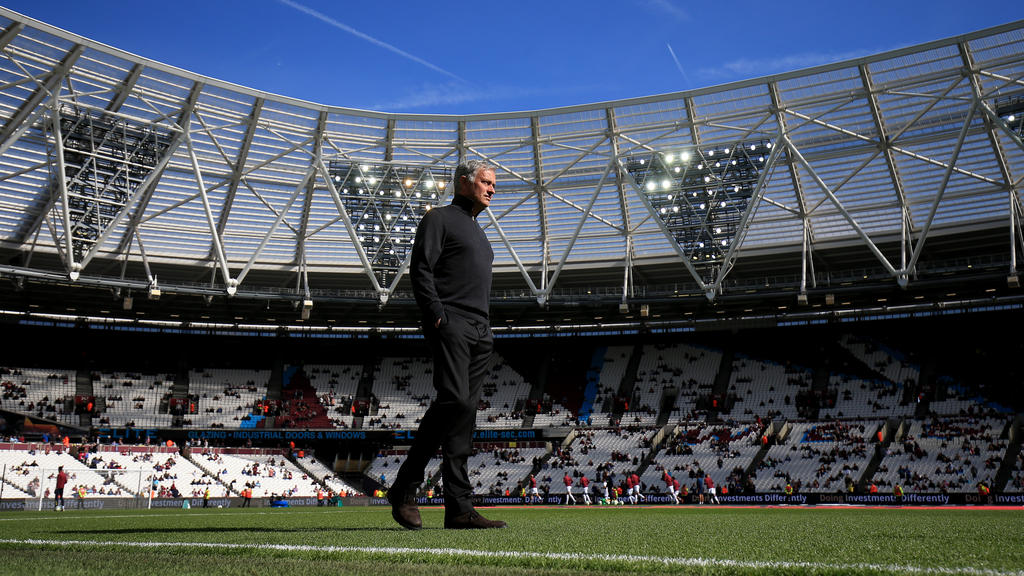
<point x="461" y="349"/>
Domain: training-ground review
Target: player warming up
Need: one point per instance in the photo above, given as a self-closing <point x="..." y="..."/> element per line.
<point x="568" y="489"/>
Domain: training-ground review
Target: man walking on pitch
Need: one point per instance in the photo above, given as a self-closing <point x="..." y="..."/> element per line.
<point x="451" y="280"/>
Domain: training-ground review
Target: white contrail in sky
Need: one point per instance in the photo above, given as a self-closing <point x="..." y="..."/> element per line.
<point x="346" y="28"/>
<point x="678" y="65"/>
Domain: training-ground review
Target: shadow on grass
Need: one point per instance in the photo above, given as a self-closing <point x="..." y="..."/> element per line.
<point x="228" y="530"/>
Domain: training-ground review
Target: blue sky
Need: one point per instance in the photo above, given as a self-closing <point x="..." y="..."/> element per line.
<point x="461" y="58"/>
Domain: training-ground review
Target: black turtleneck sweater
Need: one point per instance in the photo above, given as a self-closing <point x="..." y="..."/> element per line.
<point x="451" y="261"/>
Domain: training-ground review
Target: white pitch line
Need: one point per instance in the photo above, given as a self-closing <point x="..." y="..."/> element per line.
<point x="519" y="555"/>
<point x="61" y="516"/>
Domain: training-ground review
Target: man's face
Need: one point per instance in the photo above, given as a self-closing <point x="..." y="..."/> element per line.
<point x="480" y="190"/>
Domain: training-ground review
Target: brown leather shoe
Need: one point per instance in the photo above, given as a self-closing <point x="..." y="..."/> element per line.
<point x="403" y="507"/>
<point x="471" y="520"/>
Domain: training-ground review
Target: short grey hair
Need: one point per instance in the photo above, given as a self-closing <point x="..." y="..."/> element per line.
<point x="470" y="168"/>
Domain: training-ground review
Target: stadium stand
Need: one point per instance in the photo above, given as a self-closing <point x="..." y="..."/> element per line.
<point x="269" y="474"/>
<point x="697" y="368"/>
<point x="688" y="369"/>
<point x="856" y="398"/>
<point x="692" y="451"/>
<point x="887" y="362"/>
<point x="384" y="466"/>
<point x="320" y="472"/>
<point x="336" y="387"/>
<point x="596" y="454"/>
<point x="1016" y="480"/>
<point x="34" y="472"/>
<point x="171" y="472"/>
<point x="226" y="397"/>
<point x="865" y="431"/>
<point x="557" y="416"/>
<point x="499" y="469"/>
<point x="403" y="390"/>
<point x="766" y="389"/>
<point x="944" y="454"/>
<point x="818" y="457"/>
<point x="44" y="393"/>
<point x="132" y="399"/>
<point x="503" y="395"/>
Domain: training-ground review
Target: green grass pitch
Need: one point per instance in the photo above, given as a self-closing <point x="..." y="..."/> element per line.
<point x="541" y="541"/>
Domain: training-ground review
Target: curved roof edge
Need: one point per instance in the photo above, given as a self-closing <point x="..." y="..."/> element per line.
<point x="157" y="65"/>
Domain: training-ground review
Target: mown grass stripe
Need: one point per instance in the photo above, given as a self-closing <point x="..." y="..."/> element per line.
<point x="520" y="555"/>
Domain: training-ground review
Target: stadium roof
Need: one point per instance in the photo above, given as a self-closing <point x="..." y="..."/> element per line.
<point x="873" y="178"/>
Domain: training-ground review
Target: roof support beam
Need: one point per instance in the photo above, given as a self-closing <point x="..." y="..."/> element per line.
<point x="463" y="149"/>
<point x="756" y="197"/>
<point x="539" y="188"/>
<point x="237" y="168"/>
<point x="124" y="90"/>
<point x="890" y="160"/>
<point x="546" y="290"/>
<point x="310" y="173"/>
<point x="307" y="204"/>
<point x="939" y="194"/>
<point x="67" y="250"/>
<point x="352" y="235"/>
<point x="627" y="226"/>
<point x="795" y="153"/>
<point x="1013" y="205"/>
<point x="683" y="256"/>
<point x="10" y="34"/>
<point x="807" y="231"/>
<point x="30" y="110"/>
<point x="145" y="191"/>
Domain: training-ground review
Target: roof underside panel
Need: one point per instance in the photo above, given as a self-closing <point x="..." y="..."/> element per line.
<point x="921" y="138"/>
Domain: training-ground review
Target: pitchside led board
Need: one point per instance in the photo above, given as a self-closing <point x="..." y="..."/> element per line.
<point x="218" y="435"/>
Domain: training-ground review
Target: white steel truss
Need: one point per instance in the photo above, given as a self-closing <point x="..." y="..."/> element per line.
<point x="880" y="153"/>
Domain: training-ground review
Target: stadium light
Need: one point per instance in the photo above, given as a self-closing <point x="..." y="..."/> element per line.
<point x="723" y="176"/>
<point x="401" y="193"/>
<point x="94" y="147"/>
